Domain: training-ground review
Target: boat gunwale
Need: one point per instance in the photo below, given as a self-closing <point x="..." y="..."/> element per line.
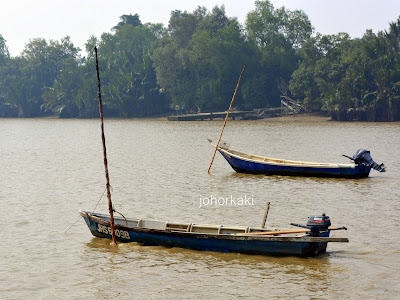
<point x="242" y="237"/>
<point x="281" y="162"/>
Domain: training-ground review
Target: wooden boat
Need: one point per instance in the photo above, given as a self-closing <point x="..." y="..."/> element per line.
<point x="254" y="164"/>
<point x="239" y="239"/>
<point x="312" y="240"/>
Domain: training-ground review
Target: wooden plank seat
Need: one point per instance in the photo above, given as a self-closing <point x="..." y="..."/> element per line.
<point x="151" y="224"/>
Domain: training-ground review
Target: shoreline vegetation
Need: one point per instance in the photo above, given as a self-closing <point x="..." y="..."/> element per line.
<point x="192" y="65"/>
<point x="314" y="117"/>
<point x="302" y="117"/>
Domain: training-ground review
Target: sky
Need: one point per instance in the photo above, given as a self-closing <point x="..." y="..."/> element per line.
<point x="23" y="20"/>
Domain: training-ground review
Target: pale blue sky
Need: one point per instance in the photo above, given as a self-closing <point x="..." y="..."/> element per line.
<point x="22" y="20"/>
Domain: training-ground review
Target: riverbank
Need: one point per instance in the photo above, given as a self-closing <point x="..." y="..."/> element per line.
<point x="309" y="117"/>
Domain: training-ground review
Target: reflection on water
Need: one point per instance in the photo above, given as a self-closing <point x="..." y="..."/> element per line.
<point x="51" y="169"/>
<point x="179" y="254"/>
<point x="313" y="274"/>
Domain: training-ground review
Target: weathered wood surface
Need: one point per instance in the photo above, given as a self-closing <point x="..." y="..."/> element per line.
<point x="103" y="139"/>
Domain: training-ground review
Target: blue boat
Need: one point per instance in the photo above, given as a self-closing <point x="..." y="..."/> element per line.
<point x="238" y="239"/>
<point x="254" y="164"/>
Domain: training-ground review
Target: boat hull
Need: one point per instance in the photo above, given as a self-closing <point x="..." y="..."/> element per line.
<point x="254" y="167"/>
<point x="265" y="245"/>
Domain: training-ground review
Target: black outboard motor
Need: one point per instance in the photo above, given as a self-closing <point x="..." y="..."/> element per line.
<point x="363" y="157"/>
<point x="316" y="224"/>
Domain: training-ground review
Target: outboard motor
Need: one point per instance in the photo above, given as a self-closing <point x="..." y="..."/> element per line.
<point x="363" y="157"/>
<point x="316" y="224"/>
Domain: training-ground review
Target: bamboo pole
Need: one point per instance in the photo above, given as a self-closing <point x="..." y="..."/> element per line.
<point x="276" y="232"/>
<point x="301" y="230"/>
<point x="265" y="216"/>
<point x="110" y="208"/>
<point x="226" y="118"/>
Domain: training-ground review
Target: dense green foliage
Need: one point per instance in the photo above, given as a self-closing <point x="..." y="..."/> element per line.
<point x="351" y="79"/>
<point x="149" y="69"/>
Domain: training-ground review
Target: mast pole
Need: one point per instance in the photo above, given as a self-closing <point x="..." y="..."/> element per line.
<point x="265" y="216"/>
<point x="110" y="208"/>
<point x="226" y="119"/>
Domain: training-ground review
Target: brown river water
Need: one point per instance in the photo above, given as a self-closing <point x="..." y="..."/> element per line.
<point x="51" y="169"/>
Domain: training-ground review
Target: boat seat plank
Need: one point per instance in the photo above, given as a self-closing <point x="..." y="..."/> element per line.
<point x="205" y="228"/>
<point x="151" y="224"/>
<point x="218" y="229"/>
<point x="178" y="227"/>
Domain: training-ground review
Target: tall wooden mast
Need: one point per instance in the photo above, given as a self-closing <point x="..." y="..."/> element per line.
<point x="110" y="208"/>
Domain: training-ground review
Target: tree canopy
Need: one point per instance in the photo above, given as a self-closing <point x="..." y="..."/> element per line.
<point x="148" y="69"/>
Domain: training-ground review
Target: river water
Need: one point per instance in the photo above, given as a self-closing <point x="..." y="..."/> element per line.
<point x="51" y="169"/>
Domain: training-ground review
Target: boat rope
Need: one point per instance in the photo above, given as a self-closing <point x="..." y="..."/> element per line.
<point x="73" y="224"/>
<point x="102" y="197"/>
<point x="93" y="210"/>
<point x="126" y="221"/>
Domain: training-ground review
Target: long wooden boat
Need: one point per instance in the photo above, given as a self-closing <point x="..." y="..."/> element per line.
<point x="313" y="238"/>
<point x="254" y="164"/>
<point x="239" y="239"/>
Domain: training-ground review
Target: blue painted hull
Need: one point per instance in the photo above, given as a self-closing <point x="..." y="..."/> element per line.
<point x="243" y="165"/>
<point x="210" y="242"/>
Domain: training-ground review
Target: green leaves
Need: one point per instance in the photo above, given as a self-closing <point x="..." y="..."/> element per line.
<point x="352" y="79"/>
<point x="146" y="68"/>
<point x="200" y="58"/>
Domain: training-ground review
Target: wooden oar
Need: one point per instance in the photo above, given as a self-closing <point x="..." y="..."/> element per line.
<point x="275" y="232"/>
<point x="226" y="118"/>
<point x="287" y="231"/>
